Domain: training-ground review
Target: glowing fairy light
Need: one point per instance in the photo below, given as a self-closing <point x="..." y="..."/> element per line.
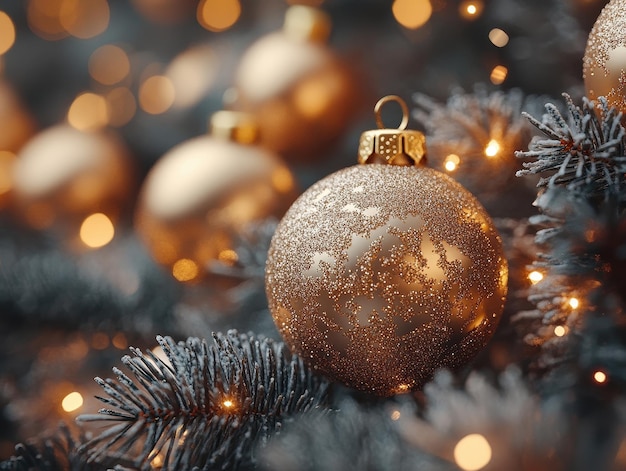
<point x="97" y="230"/>
<point x="470" y="10"/>
<point x="72" y="402"/>
<point x="600" y="377"/>
<point x="228" y="404"/>
<point x="492" y="149"/>
<point x="395" y="415"/>
<point x="472" y="452"/>
<point x="560" y="331"/>
<point x="535" y="276"/>
<point x="574" y="303"/>
<point x="451" y="162"/>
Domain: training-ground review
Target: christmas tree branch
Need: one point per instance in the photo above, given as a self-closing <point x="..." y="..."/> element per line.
<point x="205" y="406"/>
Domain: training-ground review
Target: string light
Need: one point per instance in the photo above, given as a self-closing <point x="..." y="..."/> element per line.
<point x="492" y="149"/>
<point x="600" y="377"/>
<point x="535" y="276"/>
<point x="472" y="452"/>
<point x="451" y="162"/>
<point x="498" y="74"/>
<point x="97" y="230"/>
<point x="498" y="37"/>
<point x="573" y="303"/>
<point x="412" y="14"/>
<point x="72" y="402"/>
<point x="560" y="331"/>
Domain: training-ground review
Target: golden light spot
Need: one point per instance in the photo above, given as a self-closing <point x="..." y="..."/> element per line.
<point x="84" y="19"/>
<point x="282" y="180"/>
<point x="7" y="160"/>
<point x="218" y="15"/>
<point x="97" y="230"/>
<point x="313" y="98"/>
<point x="87" y="112"/>
<point x="473" y="452"/>
<point x="185" y="270"/>
<point x="451" y="162"/>
<point x="228" y="404"/>
<point x="72" y="402"/>
<point x="498" y="74"/>
<point x="470" y="10"/>
<point x="157" y="461"/>
<point x="560" y="331"/>
<point x="7" y="32"/>
<point x="121" y="106"/>
<point x="109" y="64"/>
<point x="498" y="37"/>
<point x="228" y="257"/>
<point x="535" y="276"/>
<point x="395" y="415"/>
<point x="156" y="94"/>
<point x="600" y="377"/>
<point x="412" y="13"/>
<point x="44" y="19"/>
<point x="492" y="149"/>
<point x="573" y="303"/>
<point x="119" y="341"/>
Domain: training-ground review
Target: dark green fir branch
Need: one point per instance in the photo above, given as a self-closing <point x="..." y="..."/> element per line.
<point x="207" y="406"/>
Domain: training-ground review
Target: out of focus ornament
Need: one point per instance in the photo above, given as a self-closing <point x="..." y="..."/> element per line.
<point x="380" y="274"/>
<point x="302" y="94"/>
<point x="604" y="62"/>
<point x="206" y="190"/>
<point x="75" y="181"/>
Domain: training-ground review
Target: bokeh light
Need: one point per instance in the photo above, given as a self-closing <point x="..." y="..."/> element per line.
<point x="498" y="37"/>
<point x="156" y="94"/>
<point x="574" y="303"/>
<point x="7" y="32"/>
<point x="451" y="162"/>
<point x="72" y="402"/>
<point x="185" y="270"/>
<point x="83" y="19"/>
<point x="44" y="19"/>
<point x="412" y="13"/>
<point x="600" y="377"/>
<point x="218" y="15"/>
<point x="470" y="10"/>
<point x="88" y="111"/>
<point x="97" y="230"/>
<point x="472" y="452"/>
<point x="535" y="276"/>
<point x="560" y="331"/>
<point x="492" y="149"/>
<point x="109" y="64"/>
<point x="498" y="74"/>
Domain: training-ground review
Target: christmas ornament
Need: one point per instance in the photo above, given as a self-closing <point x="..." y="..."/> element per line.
<point x="381" y="273"/>
<point x="73" y="180"/>
<point x="604" y="62"/>
<point x="302" y="95"/>
<point x="206" y="190"/>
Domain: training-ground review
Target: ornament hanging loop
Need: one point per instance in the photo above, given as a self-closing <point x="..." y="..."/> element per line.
<point x="392" y="146"/>
<point x="387" y="99"/>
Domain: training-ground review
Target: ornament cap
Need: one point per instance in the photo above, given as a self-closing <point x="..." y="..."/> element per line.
<point x="235" y="126"/>
<point x="398" y="146"/>
<point x="307" y="23"/>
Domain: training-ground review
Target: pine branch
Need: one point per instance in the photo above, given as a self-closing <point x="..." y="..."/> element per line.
<point x="208" y="406"/>
<point x="584" y="153"/>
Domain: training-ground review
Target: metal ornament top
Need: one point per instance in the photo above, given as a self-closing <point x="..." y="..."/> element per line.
<point x="390" y="146"/>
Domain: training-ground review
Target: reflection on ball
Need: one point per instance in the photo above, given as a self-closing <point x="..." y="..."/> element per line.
<point x="380" y="274"/>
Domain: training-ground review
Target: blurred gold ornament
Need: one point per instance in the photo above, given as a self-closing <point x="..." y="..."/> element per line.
<point x="63" y="177"/>
<point x="380" y="274"/>
<point x="604" y="62"/>
<point x="302" y="94"/>
<point x="204" y="191"/>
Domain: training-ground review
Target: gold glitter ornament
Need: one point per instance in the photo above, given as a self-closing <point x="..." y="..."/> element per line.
<point x="206" y="190"/>
<point x="302" y="94"/>
<point x="380" y="274"/>
<point x="604" y="62"/>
